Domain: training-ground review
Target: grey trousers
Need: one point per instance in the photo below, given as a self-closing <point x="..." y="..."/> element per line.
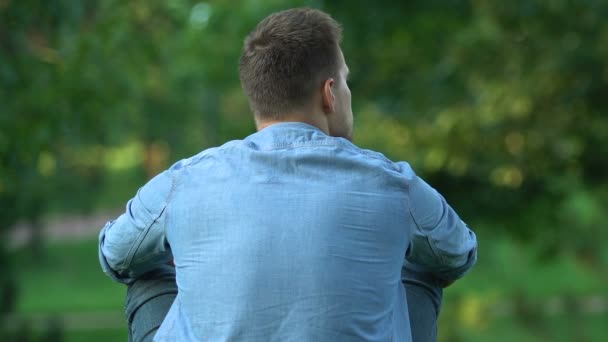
<point x="150" y="297"/>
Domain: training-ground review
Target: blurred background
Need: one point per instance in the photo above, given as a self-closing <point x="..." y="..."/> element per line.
<point x="500" y="105"/>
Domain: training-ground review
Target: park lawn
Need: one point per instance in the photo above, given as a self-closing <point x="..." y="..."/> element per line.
<point x="96" y="335"/>
<point x="67" y="283"/>
<point x="78" y="335"/>
<point x="67" y="278"/>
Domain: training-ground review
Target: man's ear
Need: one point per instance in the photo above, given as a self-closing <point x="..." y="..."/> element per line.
<point x="327" y="96"/>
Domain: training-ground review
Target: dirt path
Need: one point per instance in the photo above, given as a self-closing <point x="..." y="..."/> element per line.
<point x="62" y="228"/>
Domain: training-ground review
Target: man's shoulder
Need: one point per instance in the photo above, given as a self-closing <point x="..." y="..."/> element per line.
<point x="379" y="157"/>
<point x="402" y="168"/>
<point x="200" y="157"/>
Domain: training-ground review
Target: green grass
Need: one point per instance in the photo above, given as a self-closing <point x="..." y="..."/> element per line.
<point x="96" y="335"/>
<point x="508" y="277"/>
<point x="69" y="336"/>
<point x="68" y="283"/>
<point x="67" y="279"/>
<point x="506" y="269"/>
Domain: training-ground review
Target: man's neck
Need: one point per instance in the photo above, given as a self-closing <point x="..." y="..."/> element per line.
<point x="314" y="120"/>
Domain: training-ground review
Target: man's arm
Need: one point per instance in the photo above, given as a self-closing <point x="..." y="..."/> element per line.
<point x="441" y="243"/>
<point x="135" y="242"/>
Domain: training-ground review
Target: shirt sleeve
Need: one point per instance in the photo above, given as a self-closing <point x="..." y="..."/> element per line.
<point x="440" y="242"/>
<point x="136" y="242"/>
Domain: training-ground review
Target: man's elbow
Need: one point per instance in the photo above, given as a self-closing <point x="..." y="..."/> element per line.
<point x="112" y="257"/>
<point x="456" y="270"/>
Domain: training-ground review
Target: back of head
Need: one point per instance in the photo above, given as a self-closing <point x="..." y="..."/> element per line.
<point x="286" y="58"/>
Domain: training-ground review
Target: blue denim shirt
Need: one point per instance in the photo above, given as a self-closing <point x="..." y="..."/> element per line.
<point x="287" y="235"/>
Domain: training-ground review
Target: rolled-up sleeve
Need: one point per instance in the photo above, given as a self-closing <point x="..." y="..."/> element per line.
<point x="440" y="242"/>
<point x="136" y="241"/>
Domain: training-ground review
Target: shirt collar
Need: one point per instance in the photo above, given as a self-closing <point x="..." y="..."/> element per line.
<point x="287" y="133"/>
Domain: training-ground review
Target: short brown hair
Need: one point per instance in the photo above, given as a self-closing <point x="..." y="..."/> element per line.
<point x="286" y="57"/>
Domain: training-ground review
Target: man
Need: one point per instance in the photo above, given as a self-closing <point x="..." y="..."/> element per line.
<point x="294" y="233"/>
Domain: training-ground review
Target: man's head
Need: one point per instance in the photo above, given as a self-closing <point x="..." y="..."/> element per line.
<point x="292" y="68"/>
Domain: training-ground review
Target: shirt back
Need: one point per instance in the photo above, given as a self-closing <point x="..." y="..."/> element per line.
<point x="288" y="235"/>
